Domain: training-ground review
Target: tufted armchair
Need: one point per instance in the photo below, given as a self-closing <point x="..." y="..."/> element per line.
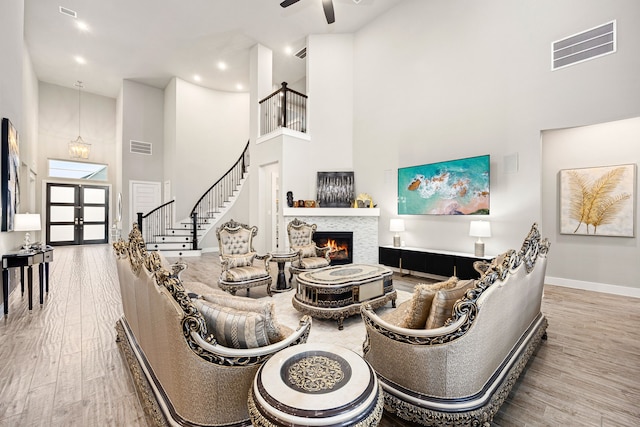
<point x="236" y="257"/>
<point x="310" y="256"/>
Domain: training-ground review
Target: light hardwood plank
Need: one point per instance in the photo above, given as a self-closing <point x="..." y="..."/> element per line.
<point x="61" y="365"/>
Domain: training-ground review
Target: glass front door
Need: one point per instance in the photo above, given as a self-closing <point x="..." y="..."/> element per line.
<point x="77" y="214"/>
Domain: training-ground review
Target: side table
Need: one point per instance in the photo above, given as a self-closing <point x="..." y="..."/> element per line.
<point x="282" y="258"/>
<point x="42" y="257"/>
<point x="315" y="384"/>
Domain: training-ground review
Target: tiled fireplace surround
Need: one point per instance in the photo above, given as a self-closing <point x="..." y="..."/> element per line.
<point x="363" y="222"/>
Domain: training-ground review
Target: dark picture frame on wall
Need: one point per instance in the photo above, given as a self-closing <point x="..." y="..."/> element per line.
<point x="335" y="189"/>
<point x="9" y="175"/>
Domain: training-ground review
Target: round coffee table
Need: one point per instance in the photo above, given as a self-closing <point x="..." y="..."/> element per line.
<point x="315" y="384"/>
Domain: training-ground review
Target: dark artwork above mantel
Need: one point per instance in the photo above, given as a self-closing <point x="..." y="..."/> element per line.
<point x="335" y="189"/>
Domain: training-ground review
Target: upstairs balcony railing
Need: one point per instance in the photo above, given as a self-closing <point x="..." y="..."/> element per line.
<point x="284" y="108"/>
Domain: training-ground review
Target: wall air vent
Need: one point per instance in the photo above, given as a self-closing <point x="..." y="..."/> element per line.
<point x="140" y="147"/>
<point x="69" y="12"/>
<point x="584" y="46"/>
<point x="302" y="53"/>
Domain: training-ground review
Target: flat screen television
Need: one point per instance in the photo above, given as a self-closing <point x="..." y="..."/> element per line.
<point x="454" y="187"/>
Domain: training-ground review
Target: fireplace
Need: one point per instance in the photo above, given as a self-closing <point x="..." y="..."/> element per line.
<point x="341" y="243"/>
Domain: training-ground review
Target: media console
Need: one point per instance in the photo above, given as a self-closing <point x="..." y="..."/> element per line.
<point x="430" y="261"/>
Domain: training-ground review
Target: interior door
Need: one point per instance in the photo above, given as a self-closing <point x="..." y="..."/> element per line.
<point x="77" y="214"/>
<point x="145" y="197"/>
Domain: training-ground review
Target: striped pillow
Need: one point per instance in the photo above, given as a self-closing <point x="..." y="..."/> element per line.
<point x="307" y="250"/>
<point x="244" y="260"/>
<point x="234" y="328"/>
<point x="265" y="308"/>
<point x="443" y="302"/>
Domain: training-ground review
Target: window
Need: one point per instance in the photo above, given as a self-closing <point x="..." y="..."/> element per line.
<point x="77" y="170"/>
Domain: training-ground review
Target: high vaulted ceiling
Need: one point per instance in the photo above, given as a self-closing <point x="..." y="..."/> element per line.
<point x="151" y="41"/>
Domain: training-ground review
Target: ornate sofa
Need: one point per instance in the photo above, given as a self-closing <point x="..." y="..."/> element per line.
<point x="460" y="371"/>
<point x="301" y="241"/>
<point x="171" y="341"/>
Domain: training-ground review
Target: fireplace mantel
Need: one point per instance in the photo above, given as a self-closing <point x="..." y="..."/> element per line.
<point x="363" y="222"/>
<point x="331" y="212"/>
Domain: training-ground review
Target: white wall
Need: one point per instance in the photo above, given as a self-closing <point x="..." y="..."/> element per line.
<point x="18" y="101"/>
<point x="142" y="120"/>
<point x="212" y="128"/>
<point x="58" y="125"/>
<point x="608" y="144"/>
<point x="170" y="173"/>
<point x="330" y="110"/>
<point x="29" y="195"/>
<point x="437" y="81"/>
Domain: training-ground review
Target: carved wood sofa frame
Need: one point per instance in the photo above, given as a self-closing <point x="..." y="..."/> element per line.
<point x="182" y="375"/>
<point x="461" y="373"/>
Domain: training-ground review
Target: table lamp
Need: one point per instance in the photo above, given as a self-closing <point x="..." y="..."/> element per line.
<point x="26" y="222"/>
<point x="479" y="229"/>
<point x="396" y="225"/>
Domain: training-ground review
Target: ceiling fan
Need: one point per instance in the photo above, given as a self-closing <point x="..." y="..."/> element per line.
<point x="327" y="5"/>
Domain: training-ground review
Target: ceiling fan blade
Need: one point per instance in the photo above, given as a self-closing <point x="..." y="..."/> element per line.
<point x="328" y="11"/>
<point x="287" y="3"/>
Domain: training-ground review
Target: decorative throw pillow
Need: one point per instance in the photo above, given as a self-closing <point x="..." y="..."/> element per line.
<point x="308" y="250"/>
<point x="443" y="302"/>
<point x="234" y="261"/>
<point x="418" y="308"/>
<point x="241" y="274"/>
<point x="313" y="262"/>
<point x="265" y="308"/>
<point x="233" y="328"/>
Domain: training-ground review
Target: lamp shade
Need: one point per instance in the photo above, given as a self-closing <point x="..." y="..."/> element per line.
<point x="480" y="229"/>
<point x="396" y="225"/>
<point x="26" y="222"/>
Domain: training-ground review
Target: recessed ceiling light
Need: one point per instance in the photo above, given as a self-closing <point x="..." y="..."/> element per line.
<point x="239" y="86"/>
<point x="222" y="65"/>
<point x="80" y="60"/>
<point x="197" y="78"/>
<point x="82" y="26"/>
<point x="288" y="50"/>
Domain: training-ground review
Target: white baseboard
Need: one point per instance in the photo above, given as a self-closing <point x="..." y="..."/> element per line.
<point x="593" y="286"/>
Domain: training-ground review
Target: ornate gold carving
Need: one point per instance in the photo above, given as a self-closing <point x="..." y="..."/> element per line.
<point x="341" y="313"/>
<point x="315" y="373"/>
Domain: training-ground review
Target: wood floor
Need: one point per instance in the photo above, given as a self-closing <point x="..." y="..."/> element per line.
<point x="59" y="364"/>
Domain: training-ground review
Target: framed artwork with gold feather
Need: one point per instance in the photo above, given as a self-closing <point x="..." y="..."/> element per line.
<point x="598" y="201"/>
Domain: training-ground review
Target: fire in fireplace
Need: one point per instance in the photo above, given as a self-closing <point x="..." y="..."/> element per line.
<point x="340" y="242"/>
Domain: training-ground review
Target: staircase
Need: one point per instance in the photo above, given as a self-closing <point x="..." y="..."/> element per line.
<point x="178" y="239"/>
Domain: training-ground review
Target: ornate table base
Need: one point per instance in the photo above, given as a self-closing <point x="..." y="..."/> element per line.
<point x="316" y="385"/>
<point x="282" y="258"/>
<point x="337" y="292"/>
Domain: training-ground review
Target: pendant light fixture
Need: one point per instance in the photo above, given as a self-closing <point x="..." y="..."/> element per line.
<point x="79" y="149"/>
